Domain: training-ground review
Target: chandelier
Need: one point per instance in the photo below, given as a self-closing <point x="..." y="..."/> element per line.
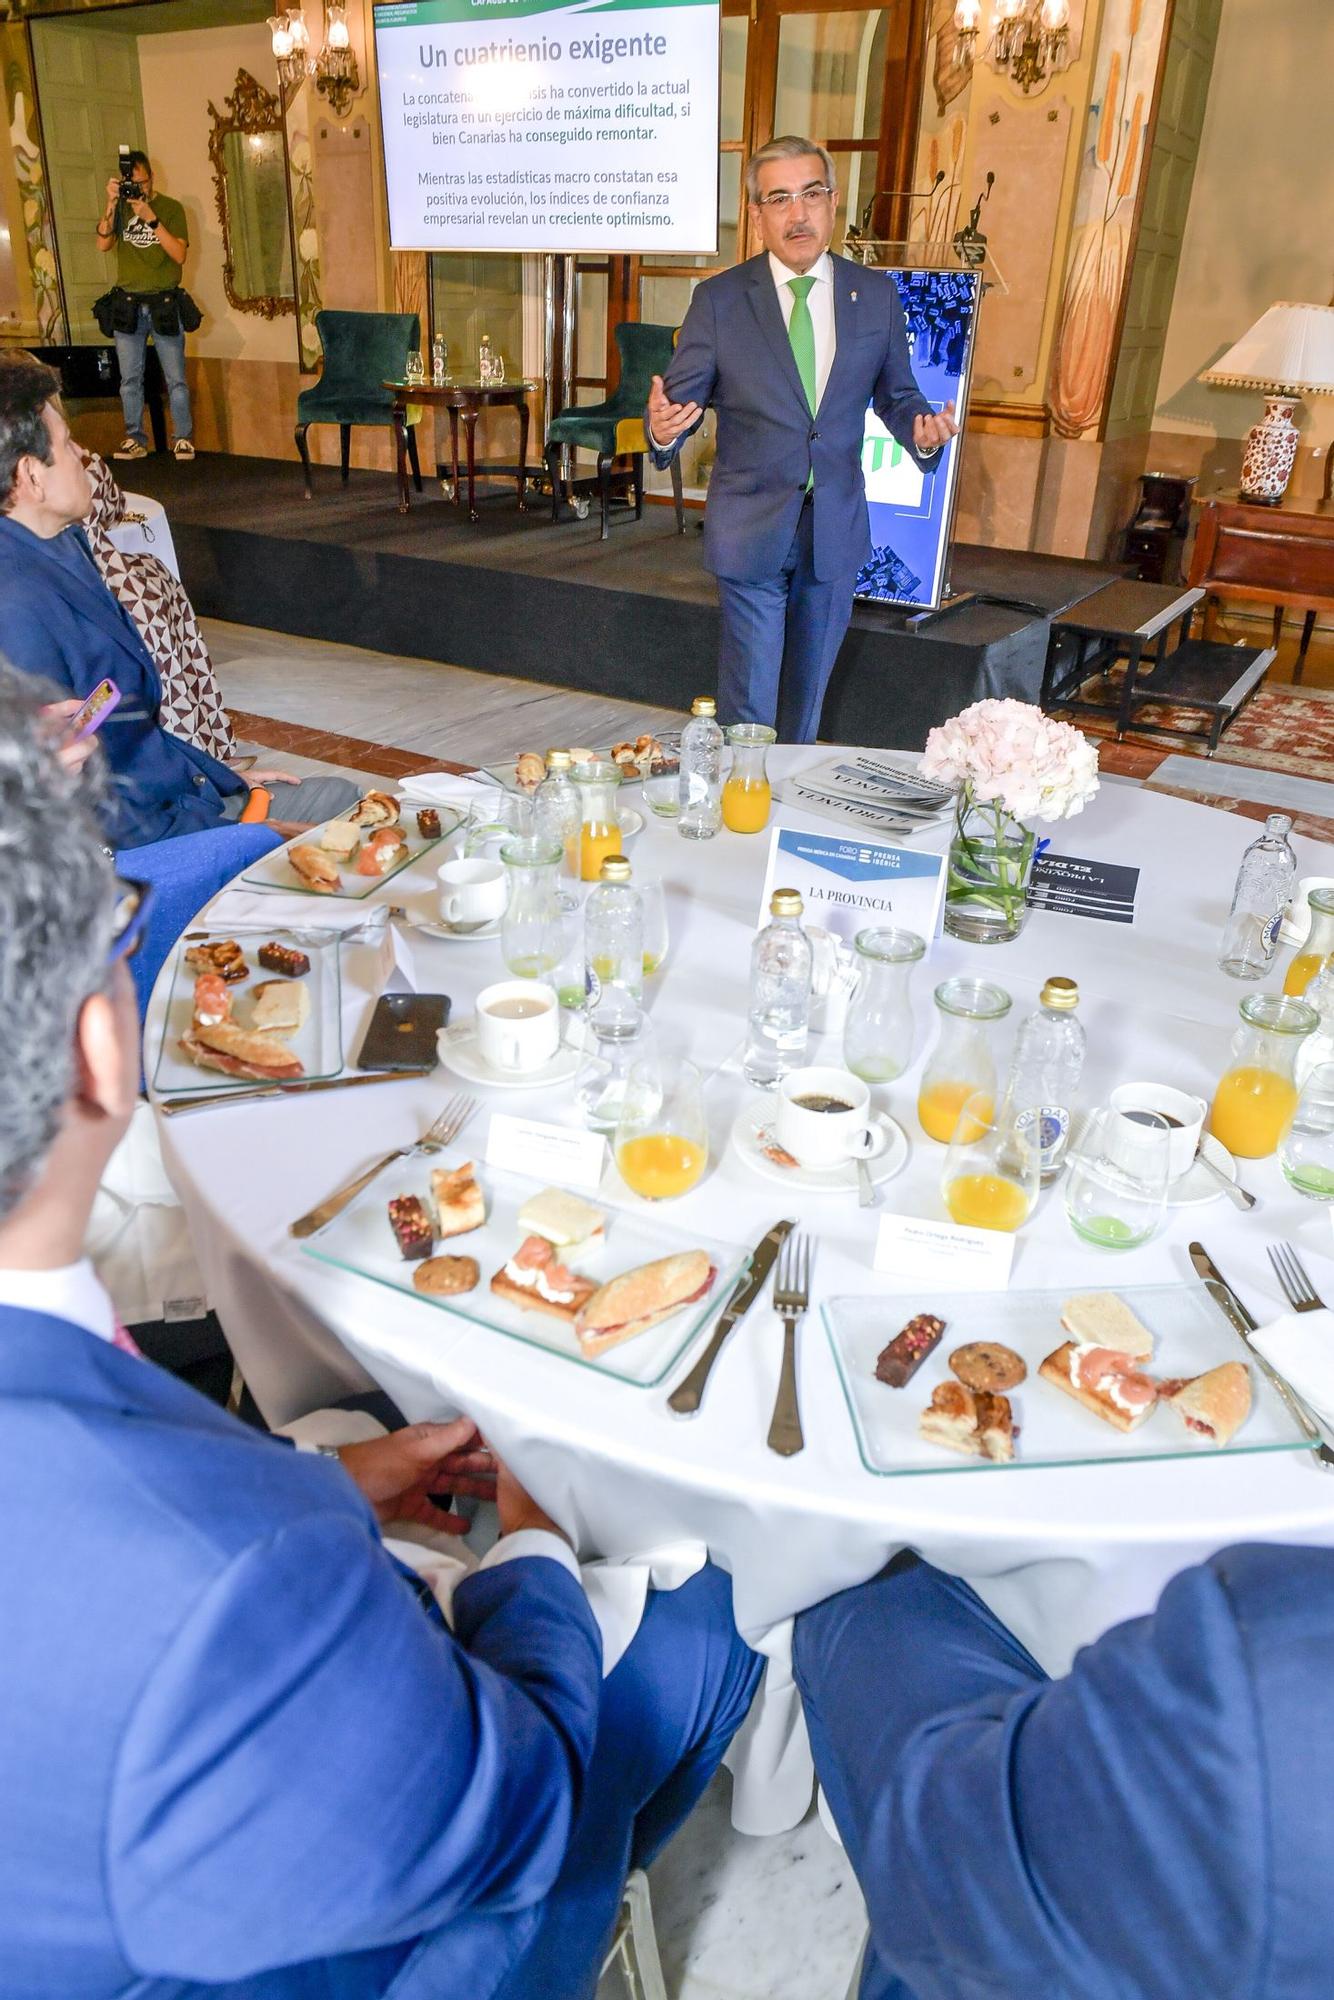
<point x="334" y="70"/>
<point x="1028" y="39"/>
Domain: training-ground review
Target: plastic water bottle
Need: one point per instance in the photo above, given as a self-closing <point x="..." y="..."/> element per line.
<point x="439" y="359"/>
<point x="701" y="779"/>
<point x="780" y="993"/>
<point x="557" y="811"/>
<point x="484" y="359"/>
<point x="1044" y="1074"/>
<point x="1264" y="886"/>
<point x="614" y="946"/>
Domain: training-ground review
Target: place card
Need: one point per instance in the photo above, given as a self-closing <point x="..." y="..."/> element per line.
<point x="847" y="884"/>
<point x="395" y="967"/>
<point x="565" y="1155"/>
<point x="1068" y="886"/>
<point x="917" y="1252"/>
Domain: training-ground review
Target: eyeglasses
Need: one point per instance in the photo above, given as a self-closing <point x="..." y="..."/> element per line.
<point x="129" y="922"/>
<point x="782" y="199"/>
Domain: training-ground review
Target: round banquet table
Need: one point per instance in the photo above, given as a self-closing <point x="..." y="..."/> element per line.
<point x="1060" y="1554"/>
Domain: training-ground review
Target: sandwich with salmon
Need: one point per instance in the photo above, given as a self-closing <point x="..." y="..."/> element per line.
<point x="1100" y="1365"/>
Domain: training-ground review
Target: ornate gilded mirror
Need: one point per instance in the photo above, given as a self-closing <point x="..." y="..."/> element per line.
<point x="250" y="185"/>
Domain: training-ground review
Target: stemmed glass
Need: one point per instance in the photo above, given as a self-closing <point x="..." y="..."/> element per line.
<point x="662" y="1140"/>
<point x="992" y="1169"/>
<point x="1117" y="1199"/>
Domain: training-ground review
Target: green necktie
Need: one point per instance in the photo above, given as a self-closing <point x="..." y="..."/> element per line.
<point x="801" y="333"/>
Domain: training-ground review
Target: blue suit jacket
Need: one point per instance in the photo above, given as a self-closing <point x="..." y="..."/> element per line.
<point x="76" y="634"/>
<point x="734" y="355"/>
<point x="237" y="1754"/>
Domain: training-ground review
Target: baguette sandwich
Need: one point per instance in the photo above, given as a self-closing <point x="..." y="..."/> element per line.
<point x="1215" y="1405"/>
<point x="240" y="1052"/>
<point x="638" y="1299"/>
<point x="316" y="870"/>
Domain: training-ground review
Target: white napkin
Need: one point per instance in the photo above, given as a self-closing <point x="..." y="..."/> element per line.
<point x="444" y="788"/>
<point x="1301" y="1347"/>
<point x="238" y="908"/>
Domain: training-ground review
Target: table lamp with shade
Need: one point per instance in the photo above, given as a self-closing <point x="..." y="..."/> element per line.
<point x="1288" y="354"/>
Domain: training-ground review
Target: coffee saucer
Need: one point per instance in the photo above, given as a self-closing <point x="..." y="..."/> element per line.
<point x="448" y="935"/>
<point x="753" y="1132"/>
<point x="458" y="1050"/>
<point x="1197" y="1185"/>
<point x="629" y="821"/>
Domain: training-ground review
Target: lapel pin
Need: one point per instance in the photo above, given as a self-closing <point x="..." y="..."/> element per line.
<point x="854" y="298"/>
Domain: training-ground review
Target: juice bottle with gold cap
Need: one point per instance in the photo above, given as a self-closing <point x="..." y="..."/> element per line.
<point x="701" y="775"/>
<point x="1257" y="1094"/>
<point x="1314" y="954"/>
<point x="746" y="795"/>
<point x="599" y="828"/>
<point x="962" y="1065"/>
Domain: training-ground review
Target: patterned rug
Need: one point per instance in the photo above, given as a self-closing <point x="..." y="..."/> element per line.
<point x="1281" y="729"/>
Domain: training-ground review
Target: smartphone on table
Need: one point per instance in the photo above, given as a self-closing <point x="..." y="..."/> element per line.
<point x="403" y="1030"/>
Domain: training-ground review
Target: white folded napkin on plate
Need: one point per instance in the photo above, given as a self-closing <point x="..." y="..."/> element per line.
<point x="1301" y="1347"/>
<point x="443" y="788"/>
<point x="238" y="908"/>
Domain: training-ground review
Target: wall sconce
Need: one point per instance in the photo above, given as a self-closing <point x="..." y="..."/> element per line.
<point x="334" y="71"/>
<point x="1029" y="39"/>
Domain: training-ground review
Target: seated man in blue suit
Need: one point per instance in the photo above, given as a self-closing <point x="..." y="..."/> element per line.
<point x="1155" y="1826"/>
<point x="789" y="348"/>
<point x="241" y="1759"/>
<point x="59" y="619"/>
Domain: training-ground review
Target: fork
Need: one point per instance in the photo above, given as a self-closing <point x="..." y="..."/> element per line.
<point x="792" y="1291"/>
<point x="437" y="1136"/>
<point x="1298" y="1290"/>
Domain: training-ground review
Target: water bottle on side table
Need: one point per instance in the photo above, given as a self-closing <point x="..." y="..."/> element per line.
<point x="1048" y="1061"/>
<point x="485" y="360"/>
<point x="780" y="993"/>
<point x="1264" y="886"/>
<point x="614" y="946"/>
<point x="701" y="780"/>
<point x="439" y="360"/>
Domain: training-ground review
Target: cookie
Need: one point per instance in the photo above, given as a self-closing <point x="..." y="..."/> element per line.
<point x="987" y="1366"/>
<point x="442" y="1277"/>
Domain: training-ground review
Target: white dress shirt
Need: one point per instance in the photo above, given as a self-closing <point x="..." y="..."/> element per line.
<point x="820" y="300"/>
<point x="74" y="1292"/>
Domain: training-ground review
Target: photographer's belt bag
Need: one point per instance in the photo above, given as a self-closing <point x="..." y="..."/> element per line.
<point x="174" y="311"/>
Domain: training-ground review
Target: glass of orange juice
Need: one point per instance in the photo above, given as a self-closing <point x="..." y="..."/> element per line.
<point x="1257" y="1092"/>
<point x="600" y="829"/>
<point x="992" y="1169"/>
<point x="747" y="798"/>
<point x="662" y="1140"/>
<point x="962" y="1064"/>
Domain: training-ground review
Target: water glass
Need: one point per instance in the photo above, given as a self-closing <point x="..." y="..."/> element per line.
<point x="414" y="368"/>
<point x="566" y="977"/>
<point x="1119" y="1204"/>
<point x="611" y="1051"/>
<point x="1306" y="1152"/>
<point x="656" y="936"/>
<point x="992" y="1169"/>
<point x="662" y="792"/>
<point x="662" y="1139"/>
<point x="494" y="820"/>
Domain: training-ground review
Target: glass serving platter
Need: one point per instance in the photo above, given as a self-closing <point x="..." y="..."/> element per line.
<point x="318" y="1044"/>
<point x="360" y="1240"/>
<point x="1191" y="1334"/>
<point x="275" y="871"/>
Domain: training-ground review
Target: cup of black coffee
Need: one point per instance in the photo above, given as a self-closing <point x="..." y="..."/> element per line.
<point x="1129" y="1135"/>
<point x="824" y="1118"/>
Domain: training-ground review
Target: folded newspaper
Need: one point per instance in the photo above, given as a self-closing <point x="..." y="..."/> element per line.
<point x="869" y="791"/>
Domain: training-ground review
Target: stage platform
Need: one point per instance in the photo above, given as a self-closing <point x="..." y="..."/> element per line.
<point x="634" y="617"/>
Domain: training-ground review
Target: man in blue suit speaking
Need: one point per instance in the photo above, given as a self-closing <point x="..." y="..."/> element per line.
<point x="242" y="1760"/>
<point x="789" y="349"/>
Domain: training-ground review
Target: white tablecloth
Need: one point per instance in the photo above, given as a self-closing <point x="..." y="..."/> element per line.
<point x="150" y="535"/>
<point x="1059" y="1554"/>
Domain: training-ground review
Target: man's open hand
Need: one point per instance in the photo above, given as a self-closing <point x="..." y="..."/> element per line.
<point x="929" y="432"/>
<point x="398" y="1473"/>
<point x="667" y="420"/>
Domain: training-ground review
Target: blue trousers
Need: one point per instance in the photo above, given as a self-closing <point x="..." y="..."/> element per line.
<point x="670" y="1707"/>
<point x="779" y="640"/>
<point x="130" y="351"/>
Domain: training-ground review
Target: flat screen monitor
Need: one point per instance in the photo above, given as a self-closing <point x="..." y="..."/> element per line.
<point x="912" y="512"/>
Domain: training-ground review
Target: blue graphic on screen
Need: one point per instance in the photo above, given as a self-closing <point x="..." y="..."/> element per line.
<point x="911" y="510"/>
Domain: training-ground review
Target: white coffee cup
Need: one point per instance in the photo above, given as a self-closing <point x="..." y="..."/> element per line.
<point x="1131" y="1143"/>
<point x="518" y="1025"/>
<point x="1296" y="926"/>
<point x="818" y="1137"/>
<point x="472" y="893"/>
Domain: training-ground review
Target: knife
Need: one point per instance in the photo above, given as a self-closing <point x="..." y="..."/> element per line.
<point x="688" y="1394"/>
<point x="200" y="1101"/>
<point x="1244" y="1325"/>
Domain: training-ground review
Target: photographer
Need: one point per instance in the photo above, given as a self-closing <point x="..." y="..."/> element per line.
<point x="150" y="236"/>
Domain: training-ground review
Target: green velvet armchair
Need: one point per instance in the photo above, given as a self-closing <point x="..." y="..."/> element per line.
<point x="362" y="351"/>
<point x="616" y="427"/>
